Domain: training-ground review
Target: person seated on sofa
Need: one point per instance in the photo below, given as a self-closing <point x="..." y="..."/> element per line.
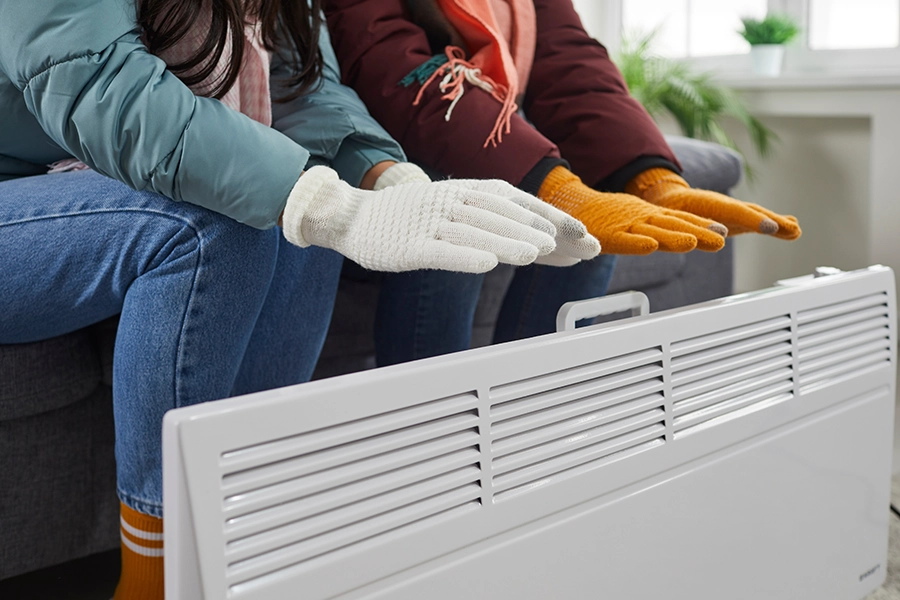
<point x="171" y="167"/>
<point x="446" y="78"/>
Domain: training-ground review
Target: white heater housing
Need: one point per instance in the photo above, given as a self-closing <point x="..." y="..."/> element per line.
<point x="736" y="449"/>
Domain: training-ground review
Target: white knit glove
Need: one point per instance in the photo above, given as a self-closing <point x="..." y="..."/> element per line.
<point x="573" y="242"/>
<point x="413" y="226"/>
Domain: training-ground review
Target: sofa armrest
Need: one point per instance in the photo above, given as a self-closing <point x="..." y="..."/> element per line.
<point x="706" y="165"/>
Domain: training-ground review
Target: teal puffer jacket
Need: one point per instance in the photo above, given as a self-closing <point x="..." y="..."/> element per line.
<point x="76" y="81"/>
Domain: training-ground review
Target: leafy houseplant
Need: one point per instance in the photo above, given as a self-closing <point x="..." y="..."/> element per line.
<point x="697" y="104"/>
<point x="767" y="38"/>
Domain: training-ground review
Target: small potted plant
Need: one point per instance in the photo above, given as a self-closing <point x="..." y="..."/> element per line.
<point x="767" y="38"/>
<point x="699" y="105"/>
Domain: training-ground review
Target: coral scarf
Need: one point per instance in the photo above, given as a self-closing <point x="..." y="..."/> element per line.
<point x="497" y="64"/>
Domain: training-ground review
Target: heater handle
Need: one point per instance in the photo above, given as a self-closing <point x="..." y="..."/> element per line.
<point x="571" y="312"/>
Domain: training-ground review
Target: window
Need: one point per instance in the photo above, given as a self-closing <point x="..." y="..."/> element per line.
<point x="692" y="27"/>
<point x="840" y="24"/>
<point x="838" y="37"/>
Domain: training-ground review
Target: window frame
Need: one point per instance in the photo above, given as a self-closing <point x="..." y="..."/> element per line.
<point x="603" y="19"/>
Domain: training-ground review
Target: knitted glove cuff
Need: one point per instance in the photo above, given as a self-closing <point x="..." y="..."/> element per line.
<point x="653" y="184"/>
<point x="558" y="178"/>
<point x="301" y="199"/>
<point x="399" y="174"/>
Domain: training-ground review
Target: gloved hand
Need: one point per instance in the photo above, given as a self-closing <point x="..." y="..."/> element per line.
<point x="573" y="242"/>
<point x="413" y="226"/>
<point x="664" y="188"/>
<point x="625" y="224"/>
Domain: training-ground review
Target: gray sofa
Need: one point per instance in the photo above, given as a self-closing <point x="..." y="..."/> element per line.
<point x="56" y="428"/>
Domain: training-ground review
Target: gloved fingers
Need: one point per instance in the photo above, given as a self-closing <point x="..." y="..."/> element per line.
<point x="732" y="213"/>
<point x="567" y="226"/>
<point x="557" y="259"/>
<point x="707" y="240"/>
<point x="622" y="242"/>
<point x="788" y="227"/>
<point x="571" y="233"/>
<point x="701" y="222"/>
<point x="509" y="209"/>
<point x="499" y="225"/>
<point x="668" y="240"/>
<point x="439" y="254"/>
<point x="509" y="251"/>
<point x="583" y="248"/>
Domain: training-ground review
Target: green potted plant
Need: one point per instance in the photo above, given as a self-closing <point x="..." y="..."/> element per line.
<point x="767" y="38"/>
<point x="694" y="100"/>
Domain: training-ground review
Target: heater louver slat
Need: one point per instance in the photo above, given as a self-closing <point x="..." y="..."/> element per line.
<point x="719" y="372"/>
<point x="535" y="476"/>
<point x="293" y="499"/>
<point x="270" y="474"/>
<point x="730" y="373"/>
<point x="420" y="457"/>
<point x="732" y="407"/>
<point x="320" y="494"/>
<point x="293" y="554"/>
<point x="551" y="424"/>
<point x="842" y="339"/>
<point x="572" y="437"/>
<point x="346" y="511"/>
<point x="240" y="459"/>
<point x="721" y="380"/>
<point x="580" y="414"/>
<point x="845" y="368"/>
<point x="559" y="379"/>
<point x="842" y="309"/>
<point x="632" y="381"/>
<point x="722" y="339"/>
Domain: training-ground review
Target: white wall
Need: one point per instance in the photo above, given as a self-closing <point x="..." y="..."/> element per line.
<point x="820" y="174"/>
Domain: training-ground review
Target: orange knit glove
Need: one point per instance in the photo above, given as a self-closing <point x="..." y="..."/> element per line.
<point x="664" y="188"/>
<point x="628" y="225"/>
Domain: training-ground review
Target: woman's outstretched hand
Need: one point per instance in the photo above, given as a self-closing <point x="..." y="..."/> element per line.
<point x="667" y="189"/>
<point x="573" y="242"/>
<point x="625" y="224"/>
<point x="414" y="225"/>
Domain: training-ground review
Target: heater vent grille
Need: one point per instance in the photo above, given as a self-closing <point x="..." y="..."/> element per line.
<point x="549" y="425"/>
<point x="841" y="339"/>
<point x="730" y="373"/>
<point x="290" y="500"/>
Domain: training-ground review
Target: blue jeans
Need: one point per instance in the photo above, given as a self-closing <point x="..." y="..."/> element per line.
<point x="429" y="313"/>
<point x="209" y="307"/>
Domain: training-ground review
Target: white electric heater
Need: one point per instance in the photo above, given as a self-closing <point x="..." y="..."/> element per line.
<point x="736" y="449"/>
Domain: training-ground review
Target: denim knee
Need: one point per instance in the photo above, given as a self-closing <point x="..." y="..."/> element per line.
<point x="214" y="237"/>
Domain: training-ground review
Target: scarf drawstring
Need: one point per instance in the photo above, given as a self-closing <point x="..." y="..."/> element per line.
<point x="454" y="73"/>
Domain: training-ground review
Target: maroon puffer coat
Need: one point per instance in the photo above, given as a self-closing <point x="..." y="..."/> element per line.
<point x="576" y="100"/>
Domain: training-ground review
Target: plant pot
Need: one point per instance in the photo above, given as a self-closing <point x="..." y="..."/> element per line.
<point x="767" y="59"/>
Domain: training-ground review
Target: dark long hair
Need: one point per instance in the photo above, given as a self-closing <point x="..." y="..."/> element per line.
<point x="288" y="26"/>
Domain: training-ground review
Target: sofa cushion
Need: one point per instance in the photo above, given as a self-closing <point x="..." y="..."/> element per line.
<point x="706" y="165"/>
<point x="47" y="375"/>
<point x="642" y="272"/>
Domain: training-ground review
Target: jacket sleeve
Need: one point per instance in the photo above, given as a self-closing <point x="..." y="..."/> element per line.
<point x="98" y="93"/>
<point x="577" y="98"/>
<point x="331" y="121"/>
<point x="377" y="46"/>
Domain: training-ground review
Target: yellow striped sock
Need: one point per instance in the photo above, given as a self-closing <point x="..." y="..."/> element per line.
<point x="142" y="556"/>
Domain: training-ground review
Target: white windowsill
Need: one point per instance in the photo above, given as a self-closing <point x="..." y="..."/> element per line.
<point x="797" y="81"/>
